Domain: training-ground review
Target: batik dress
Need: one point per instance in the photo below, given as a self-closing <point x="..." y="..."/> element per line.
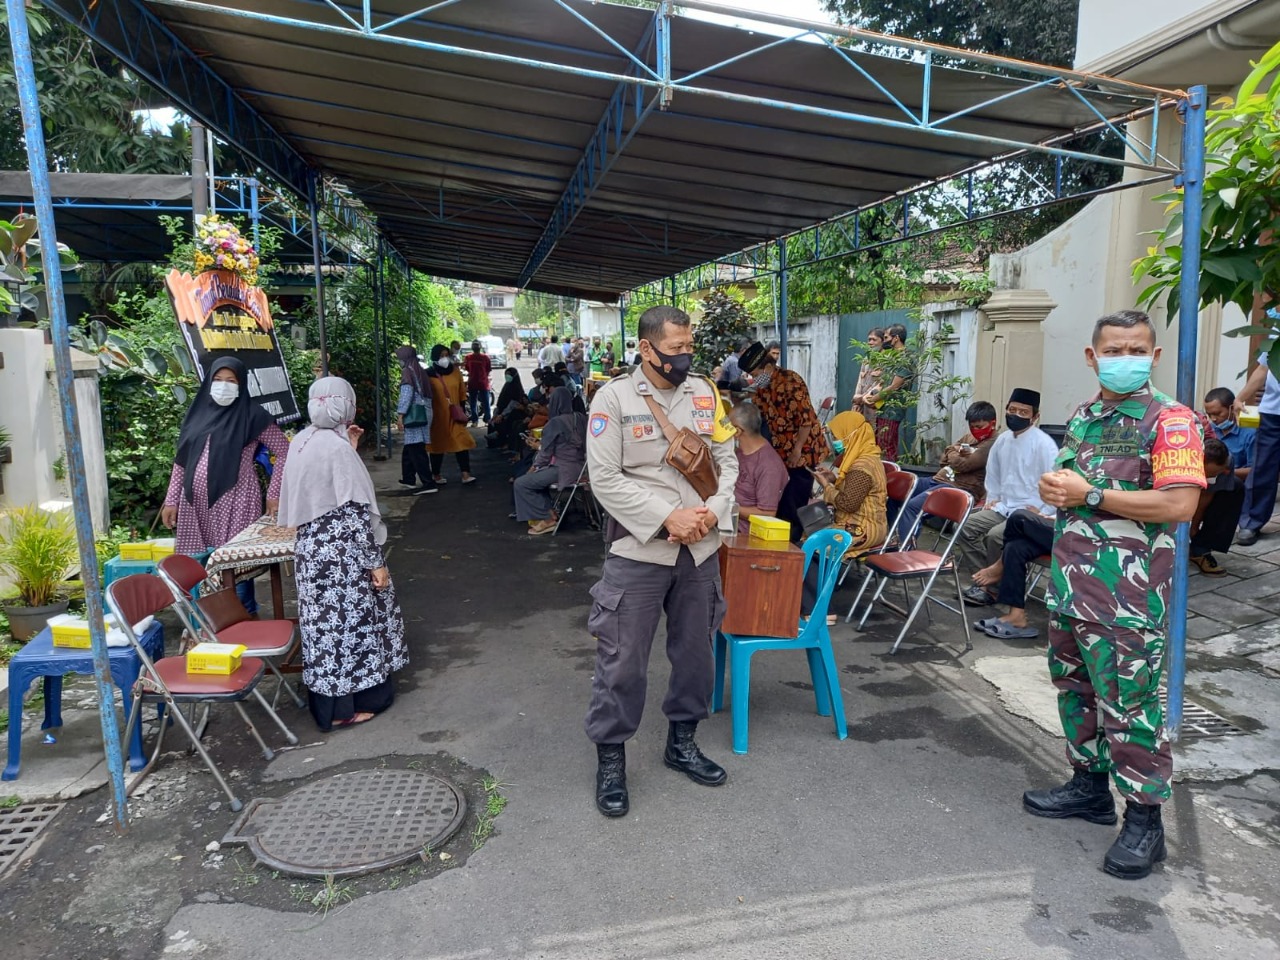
<point x="352" y="634"/>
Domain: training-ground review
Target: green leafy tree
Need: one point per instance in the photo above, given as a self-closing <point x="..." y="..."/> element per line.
<point x="725" y="320"/>
<point x="93" y="108"/>
<point x="1240" y="259"/>
<point x="1043" y="31"/>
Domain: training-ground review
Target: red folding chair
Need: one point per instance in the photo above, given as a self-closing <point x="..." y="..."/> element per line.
<point x="273" y="640"/>
<point x="890" y="468"/>
<point x="825" y="409"/>
<point x="901" y="487"/>
<point x="166" y="681"/>
<point x="949" y="504"/>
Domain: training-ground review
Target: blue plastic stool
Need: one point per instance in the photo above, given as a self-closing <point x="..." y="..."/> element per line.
<point x="40" y="658"/>
<point x="827" y="547"/>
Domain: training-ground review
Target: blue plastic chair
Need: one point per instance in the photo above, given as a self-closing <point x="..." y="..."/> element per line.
<point x="827" y="548"/>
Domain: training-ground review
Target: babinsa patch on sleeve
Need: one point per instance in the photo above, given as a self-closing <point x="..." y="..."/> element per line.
<point x="1177" y="431"/>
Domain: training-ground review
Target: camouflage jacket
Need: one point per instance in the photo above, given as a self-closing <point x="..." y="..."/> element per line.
<point x="1108" y="569"/>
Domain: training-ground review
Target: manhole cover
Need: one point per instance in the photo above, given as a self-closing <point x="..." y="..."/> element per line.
<point x="19" y="826"/>
<point x="351" y="823"/>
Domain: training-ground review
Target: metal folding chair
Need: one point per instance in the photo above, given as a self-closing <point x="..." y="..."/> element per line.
<point x="275" y="641"/>
<point x="951" y="505"/>
<point x="579" y="491"/>
<point x="166" y="681"/>
<point x="901" y="486"/>
<point x="1036" y="570"/>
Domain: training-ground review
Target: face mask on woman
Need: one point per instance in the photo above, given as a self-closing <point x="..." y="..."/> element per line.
<point x="224" y="392"/>
<point x="444" y="363"/>
<point x="511" y="378"/>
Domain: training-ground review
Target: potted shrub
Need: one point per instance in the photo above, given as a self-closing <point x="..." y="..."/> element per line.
<point x="38" y="552"/>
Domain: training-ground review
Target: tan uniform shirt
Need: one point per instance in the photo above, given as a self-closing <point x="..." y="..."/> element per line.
<point x="625" y="451"/>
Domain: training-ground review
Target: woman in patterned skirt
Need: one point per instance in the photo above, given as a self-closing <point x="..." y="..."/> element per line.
<point x="352" y="630"/>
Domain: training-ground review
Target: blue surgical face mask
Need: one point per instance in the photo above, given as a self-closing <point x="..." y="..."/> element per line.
<point x="837" y="446"/>
<point x="1124" y="374"/>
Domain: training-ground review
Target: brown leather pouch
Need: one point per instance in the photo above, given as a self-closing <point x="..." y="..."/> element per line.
<point x="689" y="455"/>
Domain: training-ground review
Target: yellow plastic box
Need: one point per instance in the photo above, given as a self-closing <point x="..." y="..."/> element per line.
<point x="219" y="659"/>
<point x="1249" y="417"/>
<point x="135" y="551"/>
<point x="70" y="632"/>
<point x="162" y="548"/>
<point x="770" y="528"/>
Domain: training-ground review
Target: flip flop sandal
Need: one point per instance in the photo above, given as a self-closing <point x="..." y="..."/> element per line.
<point x="1007" y="631"/>
<point x="984" y="624"/>
<point x="975" y="596"/>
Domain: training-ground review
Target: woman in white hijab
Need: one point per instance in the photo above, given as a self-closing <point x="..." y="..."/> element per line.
<point x="352" y="629"/>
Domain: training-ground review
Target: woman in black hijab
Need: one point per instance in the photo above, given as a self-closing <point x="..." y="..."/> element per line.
<point x="213" y="490"/>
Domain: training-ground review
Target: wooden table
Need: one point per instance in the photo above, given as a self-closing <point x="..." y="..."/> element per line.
<point x="763" y="584"/>
<point x="261" y="544"/>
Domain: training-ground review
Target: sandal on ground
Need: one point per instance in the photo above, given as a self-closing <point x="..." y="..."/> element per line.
<point x="542" y="526"/>
<point x="466" y="480"/>
<point x="440" y="481"/>
<point x="976" y="596"/>
<point x="1003" y="630"/>
<point x="1209" y="565"/>
<point x="355" y="719"/>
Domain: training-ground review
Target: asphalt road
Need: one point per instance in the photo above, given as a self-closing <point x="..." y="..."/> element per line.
<point x="907" y="840"/>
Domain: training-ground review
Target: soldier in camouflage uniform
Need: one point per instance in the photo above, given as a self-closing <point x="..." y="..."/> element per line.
<point x="1131" y="467"/>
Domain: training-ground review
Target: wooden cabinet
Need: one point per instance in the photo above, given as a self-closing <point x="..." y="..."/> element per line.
<point x="763" y="583"/>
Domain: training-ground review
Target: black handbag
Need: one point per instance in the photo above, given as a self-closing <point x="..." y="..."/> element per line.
<point x="813" y="517"/>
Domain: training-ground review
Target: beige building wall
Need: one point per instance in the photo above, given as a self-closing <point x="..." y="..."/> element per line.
<point x="29" y="411"/>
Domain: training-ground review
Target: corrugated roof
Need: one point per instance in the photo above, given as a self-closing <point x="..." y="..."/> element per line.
<point x="464" y="159"/>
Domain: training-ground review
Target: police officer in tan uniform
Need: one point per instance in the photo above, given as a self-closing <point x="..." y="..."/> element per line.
<point x="663" y="559"/>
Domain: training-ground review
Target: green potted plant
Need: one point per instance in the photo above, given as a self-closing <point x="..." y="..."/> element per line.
<point x="38" y="552"/>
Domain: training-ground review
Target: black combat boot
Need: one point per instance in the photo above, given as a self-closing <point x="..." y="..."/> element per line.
<point x="1140" y="844"/>
<point x="611" y="780"/>
<point x="1086" y="795"/>
<point x="683" y="754"/>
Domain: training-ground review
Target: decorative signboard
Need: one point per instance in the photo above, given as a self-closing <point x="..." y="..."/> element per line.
<point x="222" y="315"/>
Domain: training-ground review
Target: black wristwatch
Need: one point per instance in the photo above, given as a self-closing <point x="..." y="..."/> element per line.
<point x="1093" y="499"/>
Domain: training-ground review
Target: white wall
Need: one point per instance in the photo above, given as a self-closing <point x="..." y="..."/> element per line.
<point x="1107" y="25"/>
<point x="29" y="411"/>
<point x="601" y="320"/>
<point x="1083" y="265"/>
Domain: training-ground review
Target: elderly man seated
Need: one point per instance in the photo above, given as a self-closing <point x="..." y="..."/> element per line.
<point x="762" y="475"/>
<point x="1027" y="536"/>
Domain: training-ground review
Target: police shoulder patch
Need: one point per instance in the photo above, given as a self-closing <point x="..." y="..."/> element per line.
<point x="599" y="423"/>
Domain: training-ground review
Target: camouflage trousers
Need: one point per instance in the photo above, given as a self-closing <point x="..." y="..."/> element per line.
<point x="1108" y="681"/>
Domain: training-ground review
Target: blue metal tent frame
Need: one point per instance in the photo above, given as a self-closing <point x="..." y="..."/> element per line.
<point x="644" y="87"/>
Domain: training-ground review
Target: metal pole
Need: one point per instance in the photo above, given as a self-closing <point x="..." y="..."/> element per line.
<point x="38" y="164"/>
<point x="313" y="188"/>
<point x="782" y="301"/>
<point x="379" y="331"/>
<point x="255" y="213"/>
<point x="1193" y="130"/>
<point x="622" y="329"/>
<point x="199" y="173"/>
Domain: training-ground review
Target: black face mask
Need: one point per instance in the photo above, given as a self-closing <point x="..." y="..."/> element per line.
<point x="680" y="364"/>
<point x="1016" y="423"/>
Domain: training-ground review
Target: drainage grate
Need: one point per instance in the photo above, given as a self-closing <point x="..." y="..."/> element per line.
<point x="1200" y="723"/>
<point x="351" y="823"/>
<point x="19" y="826"/>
